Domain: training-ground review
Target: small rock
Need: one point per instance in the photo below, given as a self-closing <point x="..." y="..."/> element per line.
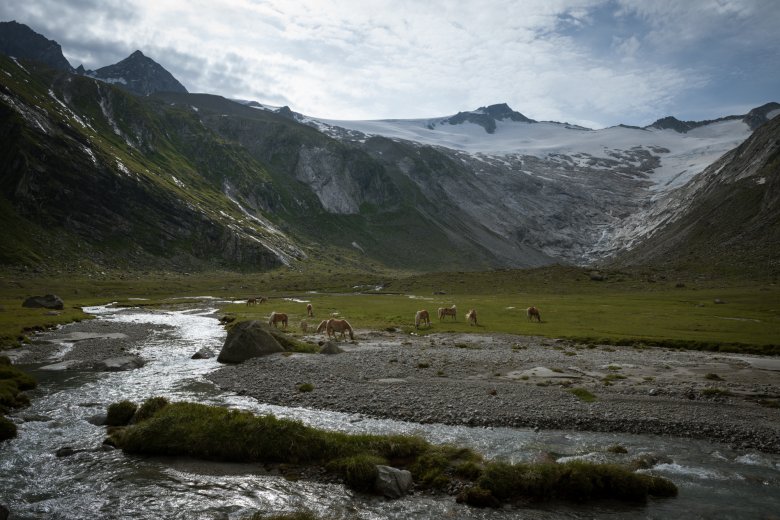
<point x="204" y="353"/>
<point x="97" y="420"/>
<point x="66" y="451"/>
<point x="392" y="482"/>
<point x="718" y="300"/>
<point x="330" y="348"/>
<point x="50" y="301"/>
<point x="119" y="364"/>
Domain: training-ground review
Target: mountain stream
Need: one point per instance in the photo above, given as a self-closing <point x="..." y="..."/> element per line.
<point x="714" y="481"/>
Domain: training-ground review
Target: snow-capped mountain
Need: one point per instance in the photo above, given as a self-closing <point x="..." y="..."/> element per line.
<point x="568" y="191"/>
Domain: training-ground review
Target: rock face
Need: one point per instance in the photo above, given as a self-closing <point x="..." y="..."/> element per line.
<point x="50" y="301"/>
<point x="392" y="482"/>
<point x="17" y="39"/>
<point x="247" y="340"/>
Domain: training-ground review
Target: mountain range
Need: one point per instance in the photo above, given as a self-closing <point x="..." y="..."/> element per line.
<point x="122" y="167"/>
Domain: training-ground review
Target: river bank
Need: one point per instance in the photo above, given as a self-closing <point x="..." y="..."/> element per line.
<point x="486" y="380"/>
<point x="521" y="381"/>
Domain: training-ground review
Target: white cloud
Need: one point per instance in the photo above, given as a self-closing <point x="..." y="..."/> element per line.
<point x="381" y="59"/>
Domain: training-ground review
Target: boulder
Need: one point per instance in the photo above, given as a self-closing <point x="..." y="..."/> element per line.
<point x="204" y="353"/>
<point x="392" y="482"/>
<point x="330" y="347"/>
<point x="4" y="512"/>
<point x="246" y="340"/>
<point x="50" y="301"/>
<point x="119" y="364"/>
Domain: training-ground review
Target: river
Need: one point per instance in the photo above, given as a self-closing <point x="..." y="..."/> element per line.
<point x="714" y="481"/>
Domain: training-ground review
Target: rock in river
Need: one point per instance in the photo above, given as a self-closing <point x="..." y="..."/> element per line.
<point x="50" y="301"/>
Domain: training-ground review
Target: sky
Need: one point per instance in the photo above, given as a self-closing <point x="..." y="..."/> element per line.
<point x="595" y="63"/>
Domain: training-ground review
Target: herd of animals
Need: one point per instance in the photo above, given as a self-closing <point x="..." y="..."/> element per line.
<point x="334" y="325"/>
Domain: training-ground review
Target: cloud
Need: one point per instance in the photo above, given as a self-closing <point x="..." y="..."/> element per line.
<point x="587" y="61"/>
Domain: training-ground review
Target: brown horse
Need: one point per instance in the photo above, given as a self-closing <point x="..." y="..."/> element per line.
<point x="322" y="326"/>
<point x="422" y="317"/>
<point x="304" y="326"/>
<point x="471" y="317"/>
<point x="309" y="310"/>
<point x="532" y="313"/>
<point x="447" y="311"/>
<point x="255" y="300"/>
<point x="334" y="325"/>
<point x="277" y="317"/>
<point x="251" y="301"/>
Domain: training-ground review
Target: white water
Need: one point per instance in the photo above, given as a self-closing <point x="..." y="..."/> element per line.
<point x="714" y="482"/>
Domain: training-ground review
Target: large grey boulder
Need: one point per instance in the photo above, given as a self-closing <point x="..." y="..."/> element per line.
<point x="119" y="364"/>
<point x="50" y="301"/>
<point x="246" y="340"/>
<point x="392" y="482"/>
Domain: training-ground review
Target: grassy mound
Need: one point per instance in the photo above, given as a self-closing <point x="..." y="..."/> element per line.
<point x="214" y="433"/>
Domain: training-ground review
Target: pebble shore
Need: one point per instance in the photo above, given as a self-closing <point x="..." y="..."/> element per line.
<point x="516" y="381"/>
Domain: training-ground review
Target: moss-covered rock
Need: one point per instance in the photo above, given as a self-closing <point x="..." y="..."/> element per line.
<point x="7" y="429"/>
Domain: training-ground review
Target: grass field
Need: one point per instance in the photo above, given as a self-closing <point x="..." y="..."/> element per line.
<point x="638" y="307"/>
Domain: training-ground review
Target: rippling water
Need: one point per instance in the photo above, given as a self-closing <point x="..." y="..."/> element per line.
<point x="714" y="481"/>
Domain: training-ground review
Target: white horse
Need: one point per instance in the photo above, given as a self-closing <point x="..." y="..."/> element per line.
<point x="421" y="317"/>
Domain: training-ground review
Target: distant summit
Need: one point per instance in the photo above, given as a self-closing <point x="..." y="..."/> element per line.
<point x="755" y="118"/>
<point x="19" y="41"/>
<point x="486" y="117"/>
<point x="138" y="74"/>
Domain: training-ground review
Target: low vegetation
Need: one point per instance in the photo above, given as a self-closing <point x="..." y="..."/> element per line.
<point x="641" y="308"/>
<point x="583" y="394"/>
<point x="13" y="383"/>
<point x="214" y="433"/>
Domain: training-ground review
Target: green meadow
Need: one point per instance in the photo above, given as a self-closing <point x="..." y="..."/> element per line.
<point x="639" y="307"/>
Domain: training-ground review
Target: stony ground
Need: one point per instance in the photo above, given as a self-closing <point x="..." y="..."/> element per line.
<point x="503" y="380"/>
<point x="494" y="379"/>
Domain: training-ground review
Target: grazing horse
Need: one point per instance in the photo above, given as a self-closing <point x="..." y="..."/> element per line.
<point x="255" y="300"/>
<point x="422" y="317"/>
<point x="276" y="317"/>
<point x="251" y="301"/>
<point x="309" y="310"/>
<point x="532" y="313"/>
<point x="471" y="317"/>
<point x="334" y="325"/>
<point x="322" y="326"/>
<point x="447" y="311"/>
<point x="304" y="326"/>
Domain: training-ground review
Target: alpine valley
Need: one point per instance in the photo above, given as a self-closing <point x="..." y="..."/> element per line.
<point x="121" y="167"/>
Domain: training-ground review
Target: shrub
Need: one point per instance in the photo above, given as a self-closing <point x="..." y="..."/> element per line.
<point x="359" y="472"/>
<point x="616" y="448"/>
<point x="305" y="387"/>
<point x="120" y="414"/>
<point x="150" y="407"/>
<point x="577" y="481"/>
<point x="583" y="394"/>
<point x="7" y="429"/>
<point x="715" y="392"/>
<point x="23" y="380"/>
<point x="713" y="377"/>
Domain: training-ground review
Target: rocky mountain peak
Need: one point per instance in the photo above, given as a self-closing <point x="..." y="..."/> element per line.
<point x="140" y="75"/>
<point x="18" y="40"/>
<point x="487" y="116"/>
